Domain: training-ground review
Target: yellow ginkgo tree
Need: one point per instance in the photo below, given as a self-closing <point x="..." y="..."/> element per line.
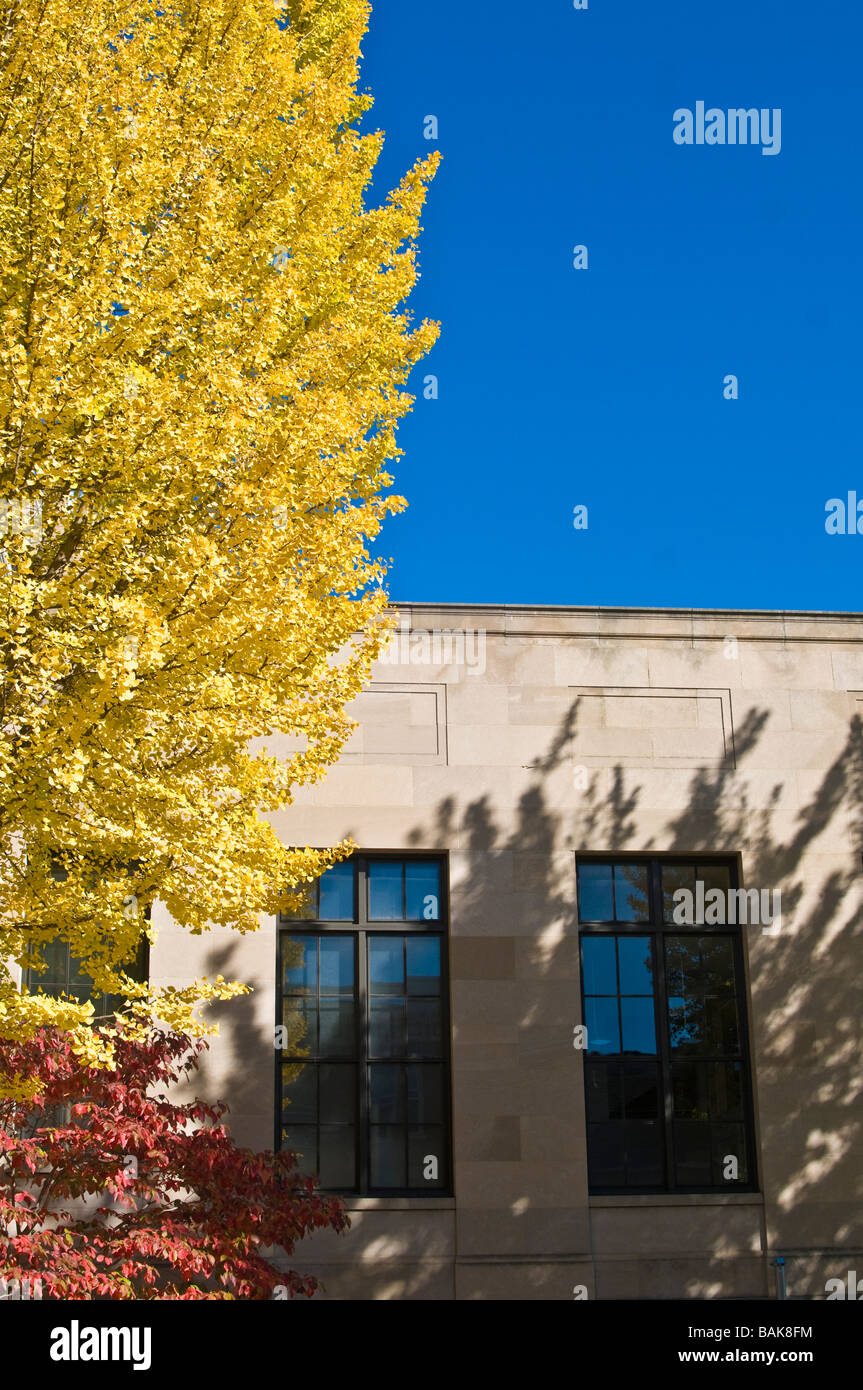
<point x="203" y="349"/>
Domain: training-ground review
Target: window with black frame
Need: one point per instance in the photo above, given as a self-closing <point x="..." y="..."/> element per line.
<point x="363" y="1063"/>
<point x="64" y="975"/>
<point x="667" y="1082"/>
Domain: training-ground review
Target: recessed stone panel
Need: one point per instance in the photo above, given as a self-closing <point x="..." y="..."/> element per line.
<point x="646" y="726"/>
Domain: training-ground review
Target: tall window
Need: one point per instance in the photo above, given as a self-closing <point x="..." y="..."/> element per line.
<point x="364" y="1074"/>
<point x="666" y="1072"/>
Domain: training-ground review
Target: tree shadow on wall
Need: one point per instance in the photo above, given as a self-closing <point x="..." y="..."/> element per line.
<point x="518" y="1082"/>
<point x="805" y="998"/>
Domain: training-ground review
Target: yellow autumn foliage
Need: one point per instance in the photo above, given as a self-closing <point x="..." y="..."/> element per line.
<point x="203" y="347"/>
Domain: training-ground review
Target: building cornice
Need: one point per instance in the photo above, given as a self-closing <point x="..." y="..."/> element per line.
<point x="686" y="624"/>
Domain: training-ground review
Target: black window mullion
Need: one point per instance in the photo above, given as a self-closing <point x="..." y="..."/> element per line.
<point x="404" y="1085"/>
<point x="316" y="1044"/>
<point x="660" y="1004"/>
<point x="618" y="1002"/>
<point x="405" y="1059"/>
<point x="666" y="1081"/>
<point x="361" y="889"/>
<point x="363" y="1062"/>
<point x="745" y="1054"/>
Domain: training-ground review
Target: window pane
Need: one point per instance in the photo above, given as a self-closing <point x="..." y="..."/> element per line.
<point x="337" y="1028"/>
<point x="423" y="964"/>
<point x="645" y="1166"/>
<point x="426" y="1157"/>
<point x="56" y="956"/>
<point x="387" y="1028"/>
<point x="725" y="1080"/>
<point x="702" y="1007"/>
<point x="300" y="963"/>
<point x="716" y="963"/>
<point x="681" y="960"/>
<point x="631" y="903"/>
<point x="80" y="988"/>
<point x="80" y="984"/>
<point x="684" y="1032"/>
<point x="641" y="1091"/>
<point x="424" y="1038"/>
<point x="300" y="1020"/>
<point x="692" y="1153"/>
<point x="637" y="1022"/>
<point x="674" y="877"/>
<point x="603" y="1032"/>
<point x="714" y="876"/>
<point x="302" y="1140"/>
<point x="338" y="1156"/>
<point x="307" y="909"/>
<point x="386" y="1094"/>
<point x="337" y="893"/>
<point x="689" y="1091"/>
<point x="425" y="1095"/>
<point x="386" y="902"/>
<point x="422" y="891"/>
<point x="337" y="965"/>
<point x="605" y="1155"/>
<point x="728" y="1142"/>
<point x="595" y="896"/>
<point x="728" y="1026"/>
<point x="338" y="1093"/>
<point x="299" y="1094"/>
<point x="636" y="965"/>
<point x="598" y="965"/>
<point x="388" y="1166"/>
<point x="604" y="1092"/>
<point x="386" y="965"/>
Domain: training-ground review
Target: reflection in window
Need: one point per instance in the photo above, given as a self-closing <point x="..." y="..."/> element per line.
<point x="364" y="1074"/>
<point x="406" y="1096"/>
<point x="618" y="994"/>
<point x="319" y="1095"/>
<point x="613" y="892"/>
<point x="702" y="999"/>
<point x="404" y="890"/>
<point x="687" y="876"/>
<point x="666" y="1078"/>
<point x="330" y="898"/>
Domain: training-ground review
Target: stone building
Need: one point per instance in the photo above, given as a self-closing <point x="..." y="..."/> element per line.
<point x="582" y="1015"/>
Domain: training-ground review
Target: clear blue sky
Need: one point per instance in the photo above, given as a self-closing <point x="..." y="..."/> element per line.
<point x="604" y="386"/>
